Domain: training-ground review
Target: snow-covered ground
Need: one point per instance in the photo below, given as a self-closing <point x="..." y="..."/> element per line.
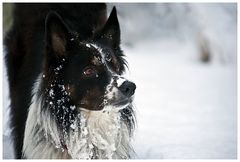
<point x="186" y="109"/>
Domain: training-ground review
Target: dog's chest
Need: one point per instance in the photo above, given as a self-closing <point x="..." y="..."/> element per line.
<point x="99" y="135"/>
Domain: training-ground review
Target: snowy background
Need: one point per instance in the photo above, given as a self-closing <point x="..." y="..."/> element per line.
<point x="183" y="58"/>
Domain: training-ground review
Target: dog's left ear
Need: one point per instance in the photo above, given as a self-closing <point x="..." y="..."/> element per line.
<point x="111" y="30"/>
<point x="56" y="35"/>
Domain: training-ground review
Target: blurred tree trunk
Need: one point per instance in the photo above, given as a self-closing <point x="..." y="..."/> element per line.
<point x="205" y="53"/>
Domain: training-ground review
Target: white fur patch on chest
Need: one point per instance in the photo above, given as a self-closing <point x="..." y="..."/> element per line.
<point x="101" y="135"/>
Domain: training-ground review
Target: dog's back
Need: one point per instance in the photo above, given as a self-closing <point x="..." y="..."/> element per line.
<point x="24" y="46"/>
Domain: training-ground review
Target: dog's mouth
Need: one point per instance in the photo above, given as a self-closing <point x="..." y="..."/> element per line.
<point x="123" y="102"/>
<point x="120" y="103"/>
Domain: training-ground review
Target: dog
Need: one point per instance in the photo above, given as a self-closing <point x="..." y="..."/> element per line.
<point x="69" y="99"/>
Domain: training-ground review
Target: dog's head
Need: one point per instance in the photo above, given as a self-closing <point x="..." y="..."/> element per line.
<point x="87" y="72"/>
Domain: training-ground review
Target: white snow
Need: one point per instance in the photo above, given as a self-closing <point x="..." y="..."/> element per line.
<point x="51" y="93"/>
<point x="185" y="109"/>
<point x="73" y="126"/>
<point x="88" y="45"/>
<point x="73" y="107"/>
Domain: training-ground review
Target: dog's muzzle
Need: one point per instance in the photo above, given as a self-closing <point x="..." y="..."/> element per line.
<point x="120" y="92"/>
<point x="125" y="94"/>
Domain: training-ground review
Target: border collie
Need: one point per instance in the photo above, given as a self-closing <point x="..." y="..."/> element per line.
<point x="68" y="97"/>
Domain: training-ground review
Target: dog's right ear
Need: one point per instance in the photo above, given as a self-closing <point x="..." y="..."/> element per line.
<point x="56" y="35"/>
<point x="111" y="30"/>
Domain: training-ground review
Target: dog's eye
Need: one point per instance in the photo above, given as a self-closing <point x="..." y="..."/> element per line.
<point x="108" y="57"/>
<point x="89" y="71"/>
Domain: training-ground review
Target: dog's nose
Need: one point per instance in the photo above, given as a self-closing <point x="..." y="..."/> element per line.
<point x="127" y="88"/>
